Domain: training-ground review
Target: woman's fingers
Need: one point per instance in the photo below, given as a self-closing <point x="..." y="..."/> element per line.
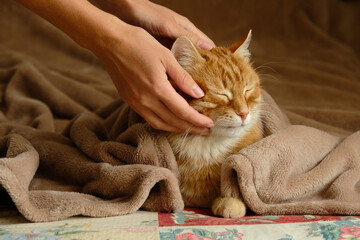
<point x="181" y="109"/>
<point x="162" y="118"/>
<point x="155" y="121"/>
<point x="186" y="28"/>
<point x="170" y="120"/>
<point x="181" y="78"/>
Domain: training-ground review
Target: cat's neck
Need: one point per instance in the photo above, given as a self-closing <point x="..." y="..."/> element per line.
<point x="201" y="150"/>
<point x="211" y="149"/>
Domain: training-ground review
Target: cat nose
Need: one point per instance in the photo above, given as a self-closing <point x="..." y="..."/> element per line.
<point x="243" y="115"/>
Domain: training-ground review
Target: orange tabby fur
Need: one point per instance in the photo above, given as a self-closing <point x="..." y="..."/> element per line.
<point x="232" y="100"/>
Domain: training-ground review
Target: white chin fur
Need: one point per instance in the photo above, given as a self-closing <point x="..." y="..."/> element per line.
<point x="220" y="131"/>
<point x="223" y="127"/>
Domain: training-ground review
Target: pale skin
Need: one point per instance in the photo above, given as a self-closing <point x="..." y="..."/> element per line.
<point x="121" y="33"/>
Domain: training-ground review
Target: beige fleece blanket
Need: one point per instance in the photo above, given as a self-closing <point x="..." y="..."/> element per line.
<point x="70" y="147"/>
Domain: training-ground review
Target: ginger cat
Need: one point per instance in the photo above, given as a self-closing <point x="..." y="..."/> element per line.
<point x="232" y="101"/>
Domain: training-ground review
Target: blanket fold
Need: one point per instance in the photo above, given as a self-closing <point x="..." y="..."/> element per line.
<point x="69" y="145"/>
<point x="68" y="182"/>
<point x="318" y="176"/>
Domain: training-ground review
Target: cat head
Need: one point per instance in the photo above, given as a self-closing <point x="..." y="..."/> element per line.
<point x="231" y="85"/>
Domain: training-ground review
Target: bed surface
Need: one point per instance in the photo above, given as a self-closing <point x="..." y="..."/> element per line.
<point x="187" y="224"/>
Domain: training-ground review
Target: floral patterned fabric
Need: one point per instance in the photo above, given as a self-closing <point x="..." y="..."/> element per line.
<point x="190" y="224"/>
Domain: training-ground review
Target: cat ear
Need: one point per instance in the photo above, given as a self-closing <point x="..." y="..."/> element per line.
<point x="241" y="48"/>
<point x="185" y="52"/>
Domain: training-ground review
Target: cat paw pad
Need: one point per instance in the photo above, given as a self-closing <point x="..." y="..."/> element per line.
<point x="228" y="207"/>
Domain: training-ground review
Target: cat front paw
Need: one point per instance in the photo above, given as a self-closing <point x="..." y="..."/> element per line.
<point x="228" y="207"/>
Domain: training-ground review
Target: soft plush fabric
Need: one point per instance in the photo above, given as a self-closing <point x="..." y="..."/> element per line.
<point x="70" y="147"/>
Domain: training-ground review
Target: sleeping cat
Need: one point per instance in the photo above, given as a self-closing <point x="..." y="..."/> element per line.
<point x="232" y="101"/>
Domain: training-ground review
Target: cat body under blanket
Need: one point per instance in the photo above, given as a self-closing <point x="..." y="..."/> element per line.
<point x="232" y="100"/>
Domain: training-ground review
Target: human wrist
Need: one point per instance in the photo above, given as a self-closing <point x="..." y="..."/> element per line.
<point x="95" y="28"/>
<point x="100" y="32"/>
<point x="126" y="10"/>
<point x="111" y="34"/>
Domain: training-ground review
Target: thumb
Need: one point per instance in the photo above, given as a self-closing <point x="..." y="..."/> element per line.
<point x="182" y="79"/>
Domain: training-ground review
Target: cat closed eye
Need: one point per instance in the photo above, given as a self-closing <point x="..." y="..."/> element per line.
<point x="248" y="90"/>
<point x="224" y="96"/>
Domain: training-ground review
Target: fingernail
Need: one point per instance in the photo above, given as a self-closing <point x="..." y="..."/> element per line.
<point x="204" y="45"/>
<point x="205" y="132"/>
<point x="198" y="92"/>
<point x="209" y="124"/>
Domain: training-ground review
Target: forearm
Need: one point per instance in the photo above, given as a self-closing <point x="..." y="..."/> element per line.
<point x="86" y="24"/>
<point x="124" y="9"/>
<point x="138" y="64"/>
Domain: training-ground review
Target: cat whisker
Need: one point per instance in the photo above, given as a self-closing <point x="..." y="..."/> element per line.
<point x="261" y="75"/>
<point x="265" y="112"/>
<point x="185" y="134"/>
<point x="267" y="67"/>
<point x="265" y="116"/>
<point x="264" y="66"/>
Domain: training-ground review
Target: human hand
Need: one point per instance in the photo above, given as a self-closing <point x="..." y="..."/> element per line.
<point x="136" y="62"/>
<point x="138" y="66"/>
<point x="140" y="75"/>
<point x="159" y="21"/>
